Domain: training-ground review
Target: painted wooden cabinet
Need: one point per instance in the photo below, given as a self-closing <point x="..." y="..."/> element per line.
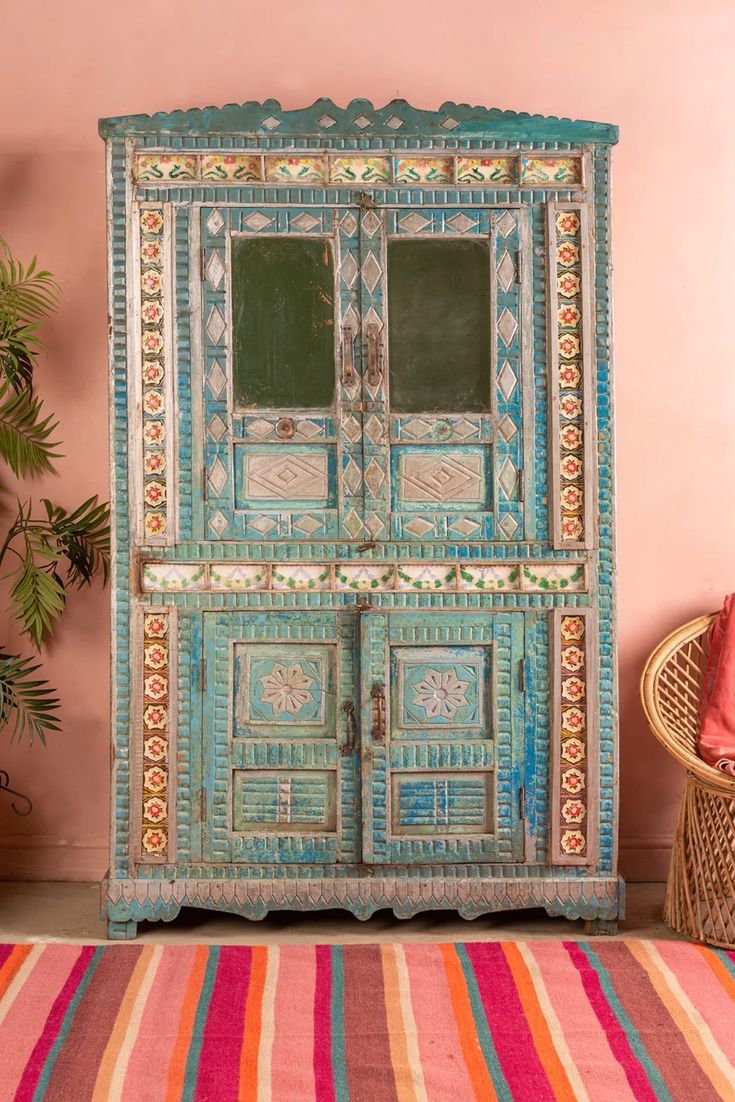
<point x="363" y="633"/>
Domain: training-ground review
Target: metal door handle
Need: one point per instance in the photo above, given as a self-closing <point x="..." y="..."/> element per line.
<point x="373" y="342"/>
<point x="349" y="744"/>
<point x="377" y="695"/>
<point x="348" y="359"/>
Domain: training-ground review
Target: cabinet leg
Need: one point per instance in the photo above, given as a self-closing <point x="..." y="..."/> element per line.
<point x="121" y="931"/>
<point x="600" y="927"/>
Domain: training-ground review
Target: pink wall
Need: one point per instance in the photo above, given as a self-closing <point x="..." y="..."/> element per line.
<point x="662" y="70"/>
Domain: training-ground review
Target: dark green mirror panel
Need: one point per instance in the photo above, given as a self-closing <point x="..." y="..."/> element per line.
<point x="439" y="326"/>
<point x="283" y="323"/>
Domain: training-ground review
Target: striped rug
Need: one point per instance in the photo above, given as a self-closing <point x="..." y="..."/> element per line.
<point x="530" y="1021"/>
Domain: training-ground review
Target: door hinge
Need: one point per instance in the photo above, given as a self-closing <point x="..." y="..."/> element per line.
<point x="202" y="805"/>
<point x="204" y="484"/>
<point x="522" y="674"/>
<point x="521" y="486"/>
<point x="204" y="675"/>
<point x="202" y="274"/>
<point x="522" y="802"/>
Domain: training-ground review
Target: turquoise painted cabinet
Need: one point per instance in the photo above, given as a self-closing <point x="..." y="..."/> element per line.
<point x="363" y="609"/>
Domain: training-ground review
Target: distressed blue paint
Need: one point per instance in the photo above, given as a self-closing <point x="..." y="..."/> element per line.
<point x="510" y="745"/>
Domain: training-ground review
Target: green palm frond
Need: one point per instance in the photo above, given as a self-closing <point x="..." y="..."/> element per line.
<point x="27" y="706"/>
<point x="25" y="433"/>
<point x="37" y="599"/>
<point x="83" y="537"/>
<point x="26" y="292"/>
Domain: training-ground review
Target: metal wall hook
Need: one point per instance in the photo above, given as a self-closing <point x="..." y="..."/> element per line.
<point x="5" y="787"/>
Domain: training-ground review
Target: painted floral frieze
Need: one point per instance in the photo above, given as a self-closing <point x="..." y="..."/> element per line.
<point x="566" y="249"/>
<point x="571" y="828"/>
<point x="152" y="372"/>
<point x="155" y="736"/>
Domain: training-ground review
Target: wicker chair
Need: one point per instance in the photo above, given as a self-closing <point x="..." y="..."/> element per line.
<point x="700" y="894"/>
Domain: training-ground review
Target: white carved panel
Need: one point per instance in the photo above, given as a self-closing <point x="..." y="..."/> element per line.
<point x="441" y="477"/>
<point x="287" y="477"/>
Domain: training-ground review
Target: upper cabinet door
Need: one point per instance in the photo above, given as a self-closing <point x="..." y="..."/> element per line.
<point x="446" y="329"/>
<point x="281" y="439"/>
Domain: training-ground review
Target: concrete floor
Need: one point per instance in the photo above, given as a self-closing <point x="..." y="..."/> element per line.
<point x="31" y="912"/>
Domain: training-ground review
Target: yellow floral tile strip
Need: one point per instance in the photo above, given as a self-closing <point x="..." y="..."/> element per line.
<point x="162" y="167"/>
<point x="572" y="826"/>
<point x="424" y="170"/>
<point x="156" y="712"/>
<point x="152" y="372"/>
<point x="487" y="170"/>
<point x="551" y="170"/>
<point x="230" y="166"/>
<point x="296" y="170"/>
<point x="359" y="170"/>
<point x="571" y="490"/>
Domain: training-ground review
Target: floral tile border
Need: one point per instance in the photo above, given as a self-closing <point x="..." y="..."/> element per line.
<point x="572" y="753"/>
<point x="155" y="717"/>
<point x="463" y="577"/>
<point x="358" y="169"/>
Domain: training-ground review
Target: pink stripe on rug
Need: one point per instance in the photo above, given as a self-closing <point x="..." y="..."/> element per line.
<point x="597" y="1064"/>
<point x="52" y="1024"/>
<point x="159" y="1026"/>
<point x="219" y="1061"/>
<point x="506" y="1018"/>
<point x="445" y="1071"/>
<point x="323" y="1072"/>
<point x="293" y="1041"/>
<point x="705" y="991"/>
<point x="27" y="1016"/>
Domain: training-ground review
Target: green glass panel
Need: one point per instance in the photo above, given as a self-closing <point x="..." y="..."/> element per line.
<point x="439" y="326"/>
<point x="283" y="323"/>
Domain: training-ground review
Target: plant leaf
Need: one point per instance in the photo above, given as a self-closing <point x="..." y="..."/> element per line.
<point x="25" y="433"/>
<point x="28" y="706"/>
<point x="37" y="599"/>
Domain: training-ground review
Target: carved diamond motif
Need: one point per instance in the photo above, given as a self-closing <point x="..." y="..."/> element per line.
<point x="507" y="478"/>
<point x="375" y="525"/>
<point x="394" y="122"/>
<point x="215" y="325"/>
<point x="349" y="223"/>
<point x="271" y="123"/>
<point x="351" y="428"/>
<point x="326" y="121"/>
<point x="441" y="478"/>
<point x="461" y="223"/>
<point x="308" y="524"/>
<point x="309" y="429"/>
<point x="216" y="379"/>
<point x="305" y="222"/>
<point x="464" y="527"/>
<point x="507" y="428"/>
<point x="506" y="272"/>
<point x="257" y="221"/>
<point x="363" y="122"/>
<point x="264" y="525"/>
<point x="353" y="524"/>
<point x="371" y="272"/>
<point x="506" y="223"/>
<point x="507" y="326"/>
<point x="215" y="222"/>
<point x="449" y="123"/>
<point x="507" y="381"/>
<point x="295" y="477"/>
<point x="374" y="429"/>
<point x="374" y="476"/>
<point x="419" y="527"/>
<point x="508" y="526"/>
<point x="259" y="428"/>
<point x="214" y="269"/>
<point x="371" y="223"/>
<point x="218" y="477"/>
<point x="414" y="222"/>
<point x="351" y="477"/>
<point x="217" y="428"/>
<point x="349" y="270"/>
<point x="416" y="428"/>
<point x="218" y="523"/>
<point x="464" y="429"/>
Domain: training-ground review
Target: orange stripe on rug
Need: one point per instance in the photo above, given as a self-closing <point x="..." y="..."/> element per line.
<point x="537" y="1024"/>
<point x="177" y="1064"/>
<point x="479" y="1076"/>
<point x="251" y="1031"/>
<point x="11" y="966"/>
<point x="719" y="969"/>
<point x="396" y="1032"/>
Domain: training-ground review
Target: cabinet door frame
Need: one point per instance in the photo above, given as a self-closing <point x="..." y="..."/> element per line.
<point x="223" y="753"/>
<point x="500" y="756"/>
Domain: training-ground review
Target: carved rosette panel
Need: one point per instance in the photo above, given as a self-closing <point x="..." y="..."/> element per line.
<point x="153" y="306"/>
<point x="571" y="828"/>
<point x="570" y="372"/>
<point x="156" y="719"/>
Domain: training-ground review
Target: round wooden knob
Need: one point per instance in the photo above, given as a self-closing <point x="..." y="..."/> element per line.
<point x="285" y="428"/>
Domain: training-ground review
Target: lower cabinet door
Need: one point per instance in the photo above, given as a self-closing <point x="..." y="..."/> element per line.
<point x="279" y="759"/>
<point x="442" y="736"/>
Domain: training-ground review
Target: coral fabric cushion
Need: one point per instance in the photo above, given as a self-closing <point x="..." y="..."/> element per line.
<point x="717" y="732"/>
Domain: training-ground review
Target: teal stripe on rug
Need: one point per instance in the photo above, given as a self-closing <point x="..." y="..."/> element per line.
<point x="483" y="1030"/>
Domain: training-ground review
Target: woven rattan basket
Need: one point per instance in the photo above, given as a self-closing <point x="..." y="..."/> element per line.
<point x="700" y="894"/>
